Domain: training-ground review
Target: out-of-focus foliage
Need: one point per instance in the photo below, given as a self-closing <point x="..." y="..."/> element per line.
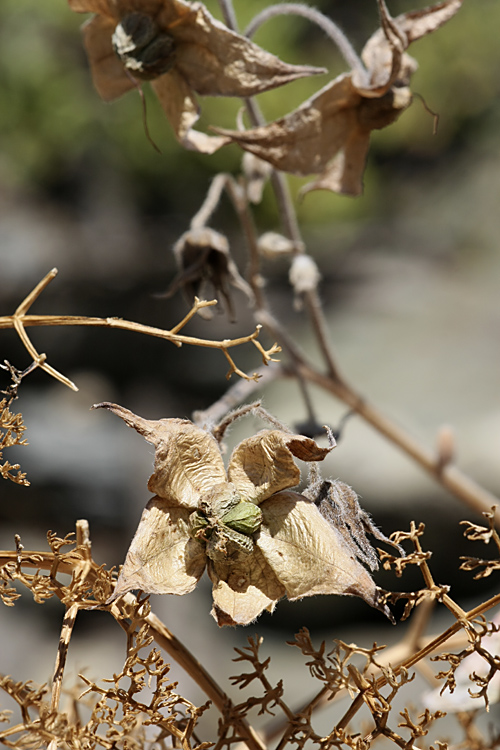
<point x="52" y="122"/>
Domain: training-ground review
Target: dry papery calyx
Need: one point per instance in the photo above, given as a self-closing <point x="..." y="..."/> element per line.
<point x="258" y="539"/>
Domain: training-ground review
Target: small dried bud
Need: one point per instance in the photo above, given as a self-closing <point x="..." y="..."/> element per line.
<point x="272" y="244"/>
<point x="256" y="173"/>
<point x="304" y="276"/>
<point x="445" y="447"/>
<point x="203" y="258"/>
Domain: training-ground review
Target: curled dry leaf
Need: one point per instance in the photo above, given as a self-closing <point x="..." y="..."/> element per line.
<point x="257" y="538"/>
<point x="182" y="50"/>
<point x="329" y="134"/>
<point x="203" y="258"/>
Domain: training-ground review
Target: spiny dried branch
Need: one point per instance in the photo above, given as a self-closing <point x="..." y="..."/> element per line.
<point x="273" y="695"/>
<point x="90" y="586"/>
<point x="478" y="629"/>
<point x="12" y="429"/>
<point x="166" y="709"/>
<point x="474" y="532"/>
<point x="20" y="320"/>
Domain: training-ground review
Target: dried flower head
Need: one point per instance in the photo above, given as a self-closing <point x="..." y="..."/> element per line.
<point x="259" y="540"/>
<point x="203" y="259"/>
<point x="181" y="49"/>
<point x="330" y="133"/>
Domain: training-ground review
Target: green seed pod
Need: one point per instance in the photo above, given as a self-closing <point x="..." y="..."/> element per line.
<point x="244" y="517"/>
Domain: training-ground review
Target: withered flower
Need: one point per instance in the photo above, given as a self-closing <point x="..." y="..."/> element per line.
<point x="330" y="133"/>
<point x="203" y="259"/>
<point x="259" y="540"/>
<point x="181" y="49"/>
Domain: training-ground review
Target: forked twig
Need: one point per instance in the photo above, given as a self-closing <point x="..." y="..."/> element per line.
<point x="20" y="320"/>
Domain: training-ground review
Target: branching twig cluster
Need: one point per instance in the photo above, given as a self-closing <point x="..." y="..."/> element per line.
<point x="142" y="694"/>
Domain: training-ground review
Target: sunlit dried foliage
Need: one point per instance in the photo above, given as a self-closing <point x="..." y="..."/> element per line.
<point x="330" y="133"/>
<point x="247" y="524"/>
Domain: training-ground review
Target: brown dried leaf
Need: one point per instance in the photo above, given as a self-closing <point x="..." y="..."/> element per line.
<point x="243" y="588"/>
<point x="187" y="51"/>
<point x="330" y="133"/>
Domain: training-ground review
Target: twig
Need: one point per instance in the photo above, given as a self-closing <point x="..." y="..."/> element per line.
<point x="458" y="483"/>
<point x="326" y="24"/>
<point x="19" y="321"/>
<point x="62" y="653"/>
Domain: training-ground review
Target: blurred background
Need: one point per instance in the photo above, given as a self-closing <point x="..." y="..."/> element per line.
<point x="410" y="284"/>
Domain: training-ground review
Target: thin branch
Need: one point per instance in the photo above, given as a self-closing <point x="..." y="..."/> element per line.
<point x="450" y="477"/>
<point x="62" y="653"/>
<point x="211" y="201"/>
<point x="236" y="394"/>
<point x="19" y="321"/>
<point x="330" y="28"/>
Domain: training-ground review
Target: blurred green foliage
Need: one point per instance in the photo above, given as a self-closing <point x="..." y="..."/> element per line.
<point x="52" y="122"/>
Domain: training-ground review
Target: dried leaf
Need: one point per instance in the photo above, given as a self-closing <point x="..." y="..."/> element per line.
<point x="182" y="49"/>
<point x="330" y="133"/>
<point x="243" y="588"/>
<point x="339" y="505"/>
<point x="187" y="459"/>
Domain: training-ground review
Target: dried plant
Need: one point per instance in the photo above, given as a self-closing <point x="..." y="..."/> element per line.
<point x="248" y="523"/>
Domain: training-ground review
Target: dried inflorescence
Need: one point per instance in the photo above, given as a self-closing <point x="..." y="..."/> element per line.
<point x="258" y="540"/>
<point x="474" y="532"/>
<point x="140" y="706"/>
